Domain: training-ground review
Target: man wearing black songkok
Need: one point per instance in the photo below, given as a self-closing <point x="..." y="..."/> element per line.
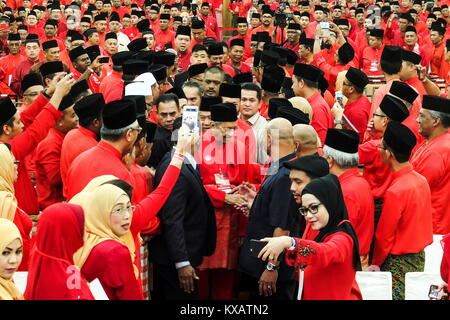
<point x="405" y="227"/>
<point x="341" y="151"/>
<point x="222" y="166"/>
<point x="431" y="157"/>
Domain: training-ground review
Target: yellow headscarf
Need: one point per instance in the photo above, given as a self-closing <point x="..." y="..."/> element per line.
<point x="80" y="198"/>
<point x="8" y="233"/>
<point x="97" y="206"/>
<point x="8" y="202"/>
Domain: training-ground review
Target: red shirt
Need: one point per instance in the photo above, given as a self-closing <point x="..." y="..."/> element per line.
<point x="359" y="201"/>
<point x="131" y="32"/>
<point x="325" y="260"/>
<point x="75" y="142"/>
<point x="110" y="262"/>
<point x="331" y="71"/>
<point x="93" y="82"/>
<point x="377" y="174"/>
<point x="405" y="225"/>
<point x="322" y="119"/>
<point x="23" y="144"/>
<point x="432" y="160"/>
<point x="144" y="181"/>
<point x="99" y="160"/>
<point x="184" y="61"/>
<point x="22" y="69"/>
<point x="112" y="87"/>
<point x="163" y="37"/>
<point x="24" y="224"/>
<point x="9" y="63"/>
<point x="48" y="157"/>
<point x="370" y="61"/>
<point x="358" y="114"/>
<point x="438" y="64"/>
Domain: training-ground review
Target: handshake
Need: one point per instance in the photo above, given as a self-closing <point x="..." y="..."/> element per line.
<point x="241" y="197"/>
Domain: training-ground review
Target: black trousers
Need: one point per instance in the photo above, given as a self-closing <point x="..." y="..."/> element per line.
<point x="286" y="290"/>
<point x="166" y="285"/>
<point x="378" y="208"/>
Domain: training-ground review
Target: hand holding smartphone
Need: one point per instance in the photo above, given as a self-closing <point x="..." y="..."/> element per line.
<point x="103" y="60"/>
<point x="256" y="246"/>
<point x="190" y="117"/>
<point x="325" y="26"/>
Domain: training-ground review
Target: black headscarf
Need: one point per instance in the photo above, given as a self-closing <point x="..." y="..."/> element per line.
<point x="327" y="190"/>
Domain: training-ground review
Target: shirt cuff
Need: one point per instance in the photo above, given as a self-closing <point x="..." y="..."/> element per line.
<point x="292" y="247"/>
<point x="182" y="264"/>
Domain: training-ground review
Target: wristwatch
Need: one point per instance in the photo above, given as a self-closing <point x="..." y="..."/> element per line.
<point x="338" y="122"/>
<point x="271" y="266"/>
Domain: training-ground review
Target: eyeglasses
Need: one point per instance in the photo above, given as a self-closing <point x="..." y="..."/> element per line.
<point x="139" y="129"/>
<point x="378" y="115"/>
<point x="121" y="211"/>
<point x="314" y="208"/>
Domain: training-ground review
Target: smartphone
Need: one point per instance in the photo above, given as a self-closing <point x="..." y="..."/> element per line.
<point x="103" y="60"/>
<point x="256" y="246"/>
<point x="325" y="26"/>
<point x="190" y="117"/>
<point x="340" y="98"/>
<point x="434" y="293"/>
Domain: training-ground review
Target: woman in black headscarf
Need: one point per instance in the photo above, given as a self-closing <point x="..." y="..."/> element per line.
<point x="328" y="264"/>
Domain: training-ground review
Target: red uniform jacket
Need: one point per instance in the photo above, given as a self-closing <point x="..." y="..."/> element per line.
<point x="112" y="87"/>
<point x="359" y="201"/>
<point x="110" y="262"/>
<point x="75" y="143"/>
<point x="93" y="82"/>
<point x="377" y="174"/>
<point x="213" y="159"/>
<point x="99" y="160"/>
<point x="432" y="160"/>
<point x="324" y="261"/>
<point x="184" y="61"/>
<point x="163" y="37"/>
<point x="20" y="71"/>
<point x="24" y="224"/>
<point x="25" y="143"/>
<point x="438" y="64"/>
<point x="48" y="158"/>
<point x="9" y="63"/>
<point x="358" y="114"/>
<point x="322" y="119"/>
<point x="370" y="61"/>
<point x="405" y="224"/>
<point x="144" y="181"/>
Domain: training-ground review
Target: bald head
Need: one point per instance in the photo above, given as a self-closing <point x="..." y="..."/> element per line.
<point x="306" y="139"/>
<point x="282" y="128"/>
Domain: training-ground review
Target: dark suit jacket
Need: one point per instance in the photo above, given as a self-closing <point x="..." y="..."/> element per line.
<point x="187" y="219"/>
<point x="180" y="79"/>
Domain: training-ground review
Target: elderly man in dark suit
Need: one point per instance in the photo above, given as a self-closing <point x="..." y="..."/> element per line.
<point x="188" y="233"/>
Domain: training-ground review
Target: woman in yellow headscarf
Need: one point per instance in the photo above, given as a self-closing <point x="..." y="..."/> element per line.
<point x="8" y="203"/>
<point x="109" y="251"/>
<point x="10" y="259"/>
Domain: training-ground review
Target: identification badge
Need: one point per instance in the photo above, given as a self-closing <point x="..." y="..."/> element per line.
<point x="222" y="182"/>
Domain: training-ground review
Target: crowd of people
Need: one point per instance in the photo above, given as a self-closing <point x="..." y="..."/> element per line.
<point x="287" y="179"/>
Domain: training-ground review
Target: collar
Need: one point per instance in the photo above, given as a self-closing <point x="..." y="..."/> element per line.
<point x="279" y="164"/>
<point x="106" y="146"/>
<point x="253" y="119"/>
<point x="402" y="171"/>
<point x="349" y="173"/>
<point x="87" y="132"/>
<point x="314" y="96"/>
